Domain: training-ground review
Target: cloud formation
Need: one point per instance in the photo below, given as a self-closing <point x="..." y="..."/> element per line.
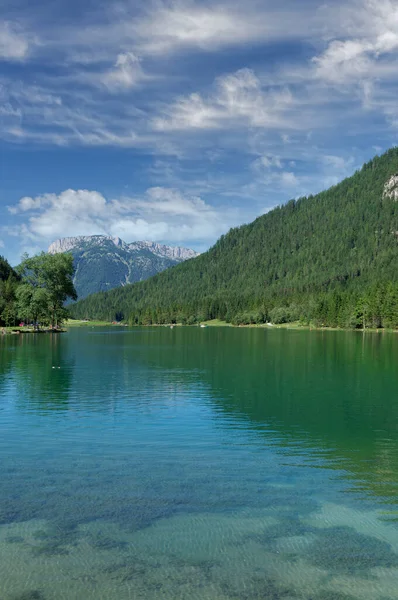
<point x="171" y="28"/>
<point x="94" y="101"/>
<point x="369" y="44"/>
<point x="126" y="72"/>
<point x="223" y="104"/>
<point x="160" y="214"/>
<point x="238" y="97"/>
<point x="14" y="44"/>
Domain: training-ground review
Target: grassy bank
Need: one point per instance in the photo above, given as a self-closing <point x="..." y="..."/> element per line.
<point x="296" y="325"/>
<point x="83" y="323"/>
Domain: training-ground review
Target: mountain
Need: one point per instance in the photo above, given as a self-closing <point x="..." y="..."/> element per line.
<point x="102" y="262"/>
<point x="329" y="259"/>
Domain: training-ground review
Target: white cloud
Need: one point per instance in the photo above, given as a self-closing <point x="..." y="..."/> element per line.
<point x="237" y="97"/>
<point x="371" y="35"/>
<point x="28" y="204"/>
<point x="1" y="244"/>
<point x="337" y="162"/>
<point x="170" y="27"/>
<point x="126" y="72"/>
<point x="14" y="44"/>
<point x="161" y="214"/>
<point x="289" y="179"/>
<point x="175" y="26"/>
<point x="344" y="60"/>
<point x="268" y="162"/>
<point x="70" y="116"/>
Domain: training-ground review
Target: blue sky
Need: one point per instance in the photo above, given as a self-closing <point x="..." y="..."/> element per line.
<point x="173" y="121"/>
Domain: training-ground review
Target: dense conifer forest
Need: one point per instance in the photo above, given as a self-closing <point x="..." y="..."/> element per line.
<point x="329" y="259"/>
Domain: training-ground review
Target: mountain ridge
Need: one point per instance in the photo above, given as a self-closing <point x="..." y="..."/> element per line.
<point x="175" y="252"/>
<point x="103" y="262"/>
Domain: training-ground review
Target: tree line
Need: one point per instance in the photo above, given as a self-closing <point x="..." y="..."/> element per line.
<point x="330" y="259"/>
<point x="36" y="291"/>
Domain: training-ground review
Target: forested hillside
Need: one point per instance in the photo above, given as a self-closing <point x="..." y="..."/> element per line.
<point x="329" y="259"/>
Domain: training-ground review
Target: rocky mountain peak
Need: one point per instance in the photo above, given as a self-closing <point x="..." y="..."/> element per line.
<point x="70" y="243"/>
<point x="173" y="252"/>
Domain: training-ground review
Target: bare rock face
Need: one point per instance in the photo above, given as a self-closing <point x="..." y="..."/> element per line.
<point x="70" y="243"/>
<point x="173" y="252"/>
<point x="391" y="188"/>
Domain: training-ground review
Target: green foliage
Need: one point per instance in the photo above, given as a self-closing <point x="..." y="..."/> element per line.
<point x="47" y="283"/>
<point x="8" y="284"/>
<point x="329" y="259"/>
<point x="39" y="291"/>
<point x="6" y="270"/>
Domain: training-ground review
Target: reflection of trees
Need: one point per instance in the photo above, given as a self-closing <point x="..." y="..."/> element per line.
<point x="330" y="394"/>
<point x="7" y="349"/>
<point x="39" y="385"/>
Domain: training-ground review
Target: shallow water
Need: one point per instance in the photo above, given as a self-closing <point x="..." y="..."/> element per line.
<point x="199" y="463"/>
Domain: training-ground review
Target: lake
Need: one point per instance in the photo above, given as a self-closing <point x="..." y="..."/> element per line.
<point x="189" y="463"/>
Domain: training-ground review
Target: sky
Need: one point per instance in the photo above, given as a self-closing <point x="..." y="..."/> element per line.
<point x="173" y="121"/>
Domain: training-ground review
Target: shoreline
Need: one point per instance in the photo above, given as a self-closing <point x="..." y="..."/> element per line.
<point x="15" y="330"/>
<point x="295" y="326"/>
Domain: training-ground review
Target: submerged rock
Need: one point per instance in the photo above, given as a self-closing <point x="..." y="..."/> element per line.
<point x="343" y="550"/>
<point x="30" y="595"/>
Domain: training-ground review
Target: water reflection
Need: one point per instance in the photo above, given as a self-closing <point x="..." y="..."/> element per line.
<point x="41" y="368"/>
<point x="328" y="397"/>
<point x="180" y="463"/>
<point x="332" y="393"/>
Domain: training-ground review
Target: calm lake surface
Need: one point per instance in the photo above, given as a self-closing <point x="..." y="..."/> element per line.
<point x="188" y="463"/>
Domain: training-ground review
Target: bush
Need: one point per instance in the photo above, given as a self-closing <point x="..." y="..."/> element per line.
<point x="279" y="315"/>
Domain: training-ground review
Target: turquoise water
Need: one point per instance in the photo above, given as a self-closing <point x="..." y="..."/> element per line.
<point x="199" y="463"/>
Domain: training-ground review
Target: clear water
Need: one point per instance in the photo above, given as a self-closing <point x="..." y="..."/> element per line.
<point x="199" y="464"/>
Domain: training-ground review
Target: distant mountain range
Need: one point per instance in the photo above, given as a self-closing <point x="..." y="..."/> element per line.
<point x="103" y="262"/>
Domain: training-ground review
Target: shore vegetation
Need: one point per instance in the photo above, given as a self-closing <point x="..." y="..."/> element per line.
<point x="35" y="292"/>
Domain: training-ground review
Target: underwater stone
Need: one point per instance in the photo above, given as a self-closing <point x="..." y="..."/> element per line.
<point x="30" y="595"/>
<point x="344" y="550"/>
<point x="327" y="595"/>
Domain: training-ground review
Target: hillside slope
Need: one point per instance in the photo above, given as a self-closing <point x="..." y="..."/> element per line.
<point x="332" y="258"/>
<point x="102" y="262"/>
